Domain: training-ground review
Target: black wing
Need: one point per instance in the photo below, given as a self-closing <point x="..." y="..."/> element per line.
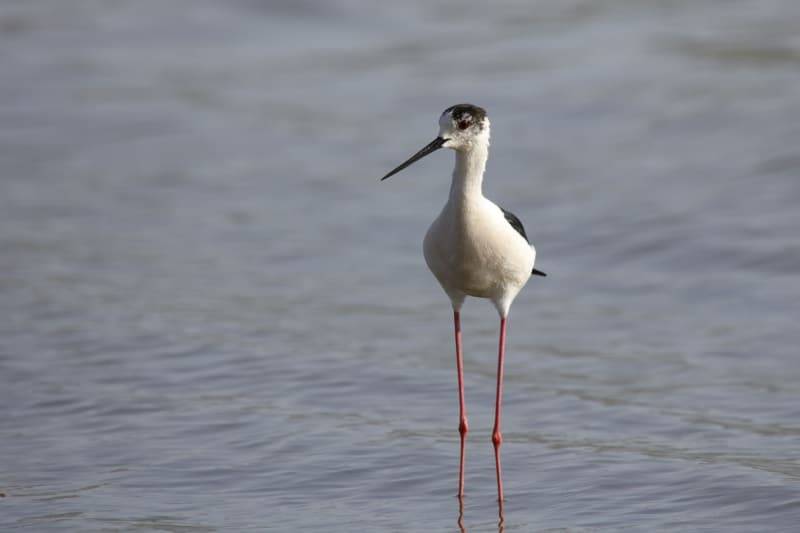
<point x="515" y="223"/>
<point x="512" y="219"/>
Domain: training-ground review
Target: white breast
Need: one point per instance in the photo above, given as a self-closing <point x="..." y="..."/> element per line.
<point x="473" y="251"/>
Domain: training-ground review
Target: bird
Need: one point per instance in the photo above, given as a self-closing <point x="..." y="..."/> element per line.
<point x="474" y="248"/>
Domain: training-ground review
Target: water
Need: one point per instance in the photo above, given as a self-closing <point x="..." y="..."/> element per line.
<point x="215" y="318"/>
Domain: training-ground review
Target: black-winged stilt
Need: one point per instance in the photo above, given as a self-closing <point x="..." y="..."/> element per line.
<point x="474" y="248"/>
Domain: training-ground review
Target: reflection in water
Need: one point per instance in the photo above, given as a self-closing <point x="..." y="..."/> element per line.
<point x="501" y="516"/>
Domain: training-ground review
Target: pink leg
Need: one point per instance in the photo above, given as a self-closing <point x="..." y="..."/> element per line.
<point x="460" y="520"/>
<point x="497" y="437"/>
<point x="463" y="428"/>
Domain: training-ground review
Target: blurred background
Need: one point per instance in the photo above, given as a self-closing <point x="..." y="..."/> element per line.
<point x="214" y="317"/>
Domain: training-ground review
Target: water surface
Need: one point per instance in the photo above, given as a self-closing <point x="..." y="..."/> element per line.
<point x="215" y="318"/>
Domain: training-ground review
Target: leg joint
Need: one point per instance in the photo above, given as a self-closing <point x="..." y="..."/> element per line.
<point x="497" y="438"/>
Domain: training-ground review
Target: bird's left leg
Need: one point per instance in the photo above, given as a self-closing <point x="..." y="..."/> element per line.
<point x="497" y="437"/>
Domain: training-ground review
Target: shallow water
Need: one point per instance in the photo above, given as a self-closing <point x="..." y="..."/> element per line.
<point x="215" y="318"/>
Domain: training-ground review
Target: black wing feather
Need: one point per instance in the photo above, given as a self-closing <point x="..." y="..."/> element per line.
<point x="516" y="223"/>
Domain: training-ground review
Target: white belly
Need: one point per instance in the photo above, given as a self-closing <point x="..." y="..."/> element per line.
<point x="473" y="251"/>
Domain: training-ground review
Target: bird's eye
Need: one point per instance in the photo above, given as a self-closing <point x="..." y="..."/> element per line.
<point x="463" y="124"/>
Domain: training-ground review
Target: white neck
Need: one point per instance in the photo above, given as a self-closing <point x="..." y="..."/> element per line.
<point x="468" y="173"/>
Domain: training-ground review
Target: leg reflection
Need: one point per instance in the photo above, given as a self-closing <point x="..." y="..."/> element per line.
<point x="460" y="520"/>
<point x="501" y="522"/>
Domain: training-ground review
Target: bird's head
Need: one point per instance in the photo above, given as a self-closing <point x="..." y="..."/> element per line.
<point x="462" y="127"/>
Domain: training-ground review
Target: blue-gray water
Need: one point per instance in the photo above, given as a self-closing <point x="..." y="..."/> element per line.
<point x="214" y="317"/>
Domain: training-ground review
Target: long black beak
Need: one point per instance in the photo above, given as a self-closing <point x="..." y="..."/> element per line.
<point x="429" y="149"/>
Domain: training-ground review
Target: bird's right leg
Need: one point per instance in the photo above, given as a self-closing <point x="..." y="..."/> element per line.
<point x="463" y="427"/>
